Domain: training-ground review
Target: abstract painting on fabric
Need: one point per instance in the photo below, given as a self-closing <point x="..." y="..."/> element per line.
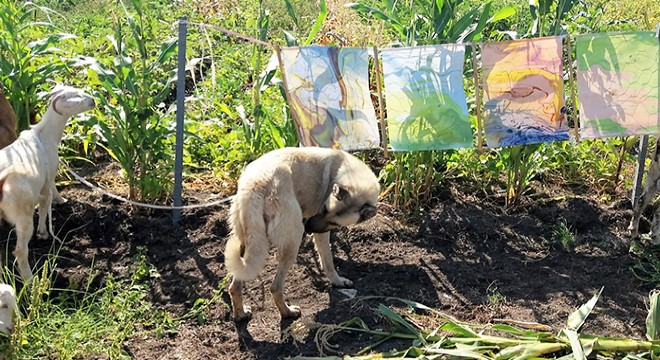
<point x="425" y="99"/>
<point x="523" y="92"/>
<point x="618" y="84"/>
<point x="329" y="97"/>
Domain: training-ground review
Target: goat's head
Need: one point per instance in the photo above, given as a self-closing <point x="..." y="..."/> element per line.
<point x="8" y="308"/>
<point x="68" y="101"/>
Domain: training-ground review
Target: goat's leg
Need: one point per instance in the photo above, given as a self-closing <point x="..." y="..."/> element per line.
<point x="57" y="198"/>
<point x="45" y="202"/>
<point x="24" y="229"/>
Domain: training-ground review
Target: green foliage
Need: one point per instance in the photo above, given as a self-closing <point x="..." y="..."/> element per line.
<point x="134" y="122"/>
<point x="520" y="163"/>
<point x="29" y="56"/>
<point x="411" y="176"/>
<point x="596" y="164"/>
<point x="431" y="22"/>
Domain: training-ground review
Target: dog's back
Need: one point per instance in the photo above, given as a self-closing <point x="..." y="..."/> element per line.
<point x="8" y="121"/>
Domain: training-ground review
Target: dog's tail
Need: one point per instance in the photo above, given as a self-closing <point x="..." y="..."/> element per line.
<point x="248" y="245"/>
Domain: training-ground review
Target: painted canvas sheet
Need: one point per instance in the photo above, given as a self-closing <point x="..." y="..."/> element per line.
<point x="617" y="81"/>
<point x="425" y="100"/>
<point x="523" y="92"/>
<point x="329" y="97"/>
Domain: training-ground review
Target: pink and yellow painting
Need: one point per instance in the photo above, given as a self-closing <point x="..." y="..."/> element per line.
<point x="617" y="82"/>
<point x="523" y="92"/>
<point x="329" y="97"/>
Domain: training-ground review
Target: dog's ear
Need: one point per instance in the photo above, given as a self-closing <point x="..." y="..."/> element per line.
<point x="339" y="192"/>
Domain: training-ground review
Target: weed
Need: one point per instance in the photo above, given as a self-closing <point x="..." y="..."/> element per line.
<point x="564" y="235"/>
<point x="495" y="297"/>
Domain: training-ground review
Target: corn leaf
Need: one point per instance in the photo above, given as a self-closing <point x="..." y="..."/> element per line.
<point x="319" y="22"/>
<point x="576" y="346"/>
<point x="653" y="317"/>
<point x="503" y="13"/>
<point x="397" y="319"/>
<point x="459" y="329"/>
<point x="578" y="317"/>
<point x="464" y="353"/>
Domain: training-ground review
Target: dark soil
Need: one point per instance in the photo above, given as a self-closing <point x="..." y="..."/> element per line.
<point x="467" y="257"/>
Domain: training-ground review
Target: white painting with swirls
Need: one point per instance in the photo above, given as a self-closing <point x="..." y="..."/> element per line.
<point x="329" y="97"/>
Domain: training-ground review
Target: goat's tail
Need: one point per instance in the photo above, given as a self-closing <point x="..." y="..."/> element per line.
<point x="4" y="174"/>
<point x="248" y="245"/>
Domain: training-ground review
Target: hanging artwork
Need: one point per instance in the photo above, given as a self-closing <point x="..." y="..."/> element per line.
<point x="617" y="82"/>
<point x="523" y="92"/>
<point x="425" y="100"/>
<point x="329" y="97"/>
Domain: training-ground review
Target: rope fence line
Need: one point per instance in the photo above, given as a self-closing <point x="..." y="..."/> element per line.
<point x="83" y="181"/>
<point x="232" y="33"/>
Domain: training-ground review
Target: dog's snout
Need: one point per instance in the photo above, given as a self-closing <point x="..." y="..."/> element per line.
<point x="367" y="212"/>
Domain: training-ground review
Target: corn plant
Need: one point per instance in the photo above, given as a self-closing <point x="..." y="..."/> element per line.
<point x="137" y="132"/>
<point x="522" y="161"/>
<point x="28" y="56"/>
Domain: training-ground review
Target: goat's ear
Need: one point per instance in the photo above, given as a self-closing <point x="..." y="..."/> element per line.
<point x="55" y="95"/>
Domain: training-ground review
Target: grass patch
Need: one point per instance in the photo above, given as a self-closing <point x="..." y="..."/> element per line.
<point x="78" y="323"/>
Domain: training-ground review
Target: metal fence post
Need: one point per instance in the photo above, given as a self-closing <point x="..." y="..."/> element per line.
<point x="639" y="169"/>
<point x="180" y="110"/>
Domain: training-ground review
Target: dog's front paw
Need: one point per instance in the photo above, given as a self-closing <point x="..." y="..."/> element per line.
<point x="341" y="282"/>
<point x="244" y="314"/>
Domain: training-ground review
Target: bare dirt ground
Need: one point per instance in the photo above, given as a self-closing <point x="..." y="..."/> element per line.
<point x="467" y="258"/>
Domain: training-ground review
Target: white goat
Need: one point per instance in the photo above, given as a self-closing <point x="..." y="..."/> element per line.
<point x="8" y="308"/>
<point x="28" y="167"/>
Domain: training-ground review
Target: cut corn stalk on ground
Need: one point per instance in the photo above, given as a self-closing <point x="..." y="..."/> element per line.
<point x="456" y="339"/>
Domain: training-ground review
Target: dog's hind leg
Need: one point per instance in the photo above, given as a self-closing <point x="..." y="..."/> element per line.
<point x="277" y="288"/>
<point x="322" y="244"/>
<point x="236" y="294"/>
<point x="289" y="227"/>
